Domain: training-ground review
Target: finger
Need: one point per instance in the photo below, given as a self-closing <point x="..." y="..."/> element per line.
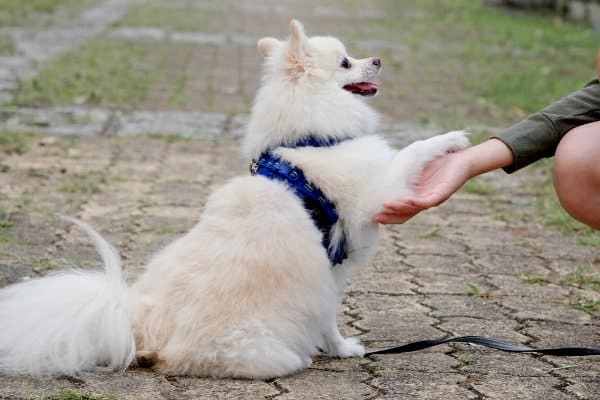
<point x="426" y="201"/>
<point x="386" y="219"/>
<point x="400" y="206"/>
<point x="394" y="217"/>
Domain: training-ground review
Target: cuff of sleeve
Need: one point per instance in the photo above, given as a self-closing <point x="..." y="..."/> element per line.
<point x="529" y="140"/>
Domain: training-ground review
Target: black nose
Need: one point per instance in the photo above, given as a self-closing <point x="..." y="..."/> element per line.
<point x="377" y="61"/>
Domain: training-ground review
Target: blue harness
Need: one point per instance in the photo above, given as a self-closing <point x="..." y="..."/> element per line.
<point x="318" y="206"/>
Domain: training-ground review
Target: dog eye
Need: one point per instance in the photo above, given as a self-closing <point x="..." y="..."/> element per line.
<point x="345" y="63"/>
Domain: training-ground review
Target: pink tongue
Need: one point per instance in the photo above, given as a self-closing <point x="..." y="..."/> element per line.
<point x="365" y="85"/>
<point x="361" y="86"/>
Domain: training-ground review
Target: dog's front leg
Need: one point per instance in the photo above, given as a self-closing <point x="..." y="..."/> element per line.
<point x="338" y="346"/>
<point x="409" y="162"/>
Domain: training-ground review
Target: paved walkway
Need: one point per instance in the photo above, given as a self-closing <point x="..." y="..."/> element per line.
<point x="477" y="265"/>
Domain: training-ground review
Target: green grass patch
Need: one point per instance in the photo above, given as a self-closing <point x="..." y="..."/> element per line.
<point x="13" y="142"/>
<point x="37" y="173"/>
<point x="89" y="183"/>
<point x="582" y="280"/>
<point x="187" y="17"/>
<point x="478" y="137"/>
<point x="69" y="394"/>
<point x="473" y="291"/>
<point x="548" y="210"/>
<point x="25" y="199"/>
<point x="435" y="232"/>
<point x="170" y="138"/>
<point x="588" y="306"/>
<point x="7" y="46"/>
<point x="554" y="215"/>
<point x="535" y="279"/>
<point x="495" y="64"/>
<point x="107" y="72"/>
<point x="5" y="227"/>
<point x="519" y="60"/>
<point x="113" y="74"/>
<point x="21" y="12"/>
<point x="479" y="186"/>
<point x="41" y="264"/>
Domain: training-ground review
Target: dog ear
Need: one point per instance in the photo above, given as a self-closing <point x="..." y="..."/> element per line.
<point x="267" y="45"/>
<point x="298" y="40"/>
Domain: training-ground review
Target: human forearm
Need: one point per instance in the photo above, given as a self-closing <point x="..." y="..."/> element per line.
<point x="484" y="157"/>
<point x="444" y="176"/>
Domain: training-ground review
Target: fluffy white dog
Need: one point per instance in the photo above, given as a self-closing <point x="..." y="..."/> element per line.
<point x="251" y="291"/>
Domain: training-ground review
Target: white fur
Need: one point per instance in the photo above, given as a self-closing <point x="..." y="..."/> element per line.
<point x="249" y="291"/>
<point x="68" y="322"/>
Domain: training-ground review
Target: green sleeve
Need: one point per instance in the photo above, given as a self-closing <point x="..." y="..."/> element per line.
<point x="538" y="135"/>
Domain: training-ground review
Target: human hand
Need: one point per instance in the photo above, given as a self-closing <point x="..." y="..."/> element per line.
<point x="445" y="175"/>
<point x="437" y="182"/>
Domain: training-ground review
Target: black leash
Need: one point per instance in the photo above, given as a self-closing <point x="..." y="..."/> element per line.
<point x="494" y="344"/>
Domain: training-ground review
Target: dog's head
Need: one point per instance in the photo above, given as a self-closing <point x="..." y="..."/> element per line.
<point x="318" y="60"/>
<point x="310" y="87"/>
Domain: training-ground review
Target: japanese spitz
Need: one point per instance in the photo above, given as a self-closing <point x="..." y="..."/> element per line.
<point x="250" y="291"/>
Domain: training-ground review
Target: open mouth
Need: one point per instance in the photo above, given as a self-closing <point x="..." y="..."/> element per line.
<point x="363" y="88"/>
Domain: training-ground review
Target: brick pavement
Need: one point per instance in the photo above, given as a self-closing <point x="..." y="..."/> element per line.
<point x="458" y="269"/>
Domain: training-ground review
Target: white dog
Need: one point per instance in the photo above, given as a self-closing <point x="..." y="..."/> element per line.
<point x="251" y="291"/>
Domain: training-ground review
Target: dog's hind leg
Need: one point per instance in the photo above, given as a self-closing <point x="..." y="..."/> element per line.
<point x="244" y="352"/>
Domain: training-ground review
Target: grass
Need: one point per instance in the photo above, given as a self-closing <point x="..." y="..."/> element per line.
<point x="25" y="199"/>
<point x="13" y="142"/>
<point x="186" y="18"/>
<point x="554" y="215"/>
<point x="435" y="232"/>
<point x="535" y="279"/>
<point x="591" y="307"/>
<point x="23" y="12"/>
<point x="468" y="63"/>
<point x="106" y="72"/>
<point x="68" y="394"/>
<point x="514" y="60"/>
<point x="472" y="63"/>
<point x="172" y="138"/>
<point x="473" y="291"/>
<point x="89" y="183"/>
<point x="479" y="186"/>
<point x="5" y="227"/>
<point x="115" y="73"/>
<point x="41" y="264"/>
<point x="7" y="46"/>
<point x="580" y="278"/>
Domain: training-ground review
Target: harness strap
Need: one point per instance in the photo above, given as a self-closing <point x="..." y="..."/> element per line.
<point x="320" y="208"/>
<point x="492" y="343"/>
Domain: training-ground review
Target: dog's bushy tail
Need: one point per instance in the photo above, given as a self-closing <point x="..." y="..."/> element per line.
<point x="69" y="322"/>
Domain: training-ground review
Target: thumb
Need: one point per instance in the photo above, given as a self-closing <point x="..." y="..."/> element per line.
<point x="428" y="200"/>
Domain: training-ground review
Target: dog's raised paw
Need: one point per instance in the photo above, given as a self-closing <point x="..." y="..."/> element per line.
<point x="456" y="140"/>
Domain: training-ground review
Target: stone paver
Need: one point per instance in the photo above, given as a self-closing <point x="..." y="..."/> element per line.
<point x="454" y="270"/>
